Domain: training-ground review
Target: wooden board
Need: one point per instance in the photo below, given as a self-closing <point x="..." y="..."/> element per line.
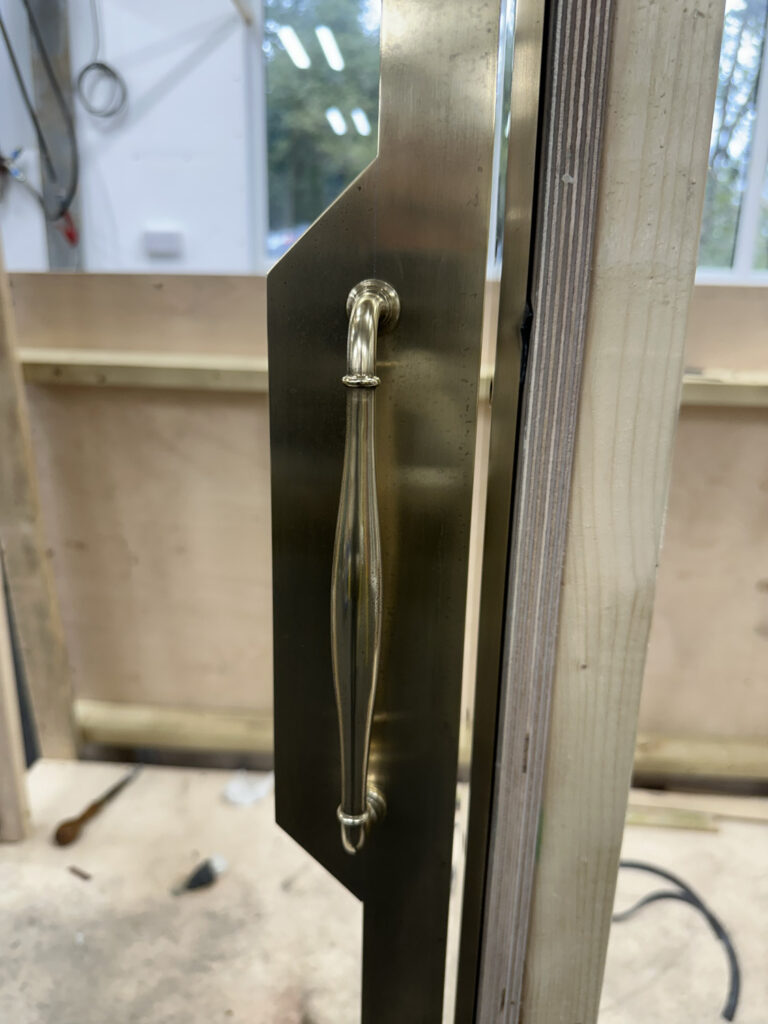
<point x="725" y="388"/>
<point x="574" y="76"/>
<point x="707" y="669"/>
<point x="186" y="371"/>
<point x="158" y="514"/>
<point x="27" y="567"/>
<point x="716" y="537"/>
<point x="127" y="725"/>
<point x="661" y="92"/>
<point x="660" y="756"/>
<point x="142" y="312"/>
<point x="175" y="313"/>
<point x="190" y="371"/>
<point x="717" y="806"/>
<point x="131" y="726"/>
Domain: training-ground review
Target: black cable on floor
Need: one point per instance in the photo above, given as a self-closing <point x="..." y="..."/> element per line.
<point x="685" y="894"/>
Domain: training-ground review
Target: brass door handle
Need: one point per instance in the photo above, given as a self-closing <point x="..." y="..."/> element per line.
<point x="356" y="576"/>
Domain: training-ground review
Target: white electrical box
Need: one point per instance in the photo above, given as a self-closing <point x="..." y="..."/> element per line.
<point x="164" y="242"/>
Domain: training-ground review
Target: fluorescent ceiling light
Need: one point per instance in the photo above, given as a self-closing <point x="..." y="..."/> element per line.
<point x="336" y="120"/>
<point x="293" y="47"/>
<point x="330" y="47"/>
<point x="360" y="121"/>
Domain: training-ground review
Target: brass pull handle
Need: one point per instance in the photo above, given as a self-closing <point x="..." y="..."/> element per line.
<point x="356" y="577"/>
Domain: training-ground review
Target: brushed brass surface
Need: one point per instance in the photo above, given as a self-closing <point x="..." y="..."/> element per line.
<point x="356" y="576"/>
<point x="418" y="218"/>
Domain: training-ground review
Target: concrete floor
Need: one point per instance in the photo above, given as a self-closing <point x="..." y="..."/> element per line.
<point x="665" y="964"/>
<point x="275" y="939"/>
<point x="278" y="940"/>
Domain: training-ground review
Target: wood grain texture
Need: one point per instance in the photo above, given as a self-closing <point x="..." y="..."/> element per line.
<point x="27" y="568"/>
<point x="157" y="506"/>
<point x="741" y="388"/>
<point x="192" y="371"/>
<point x="700" y="682"/>
<point x="186" y="371"/>
<point x="575" y="79"/>
<point x="144" y="312"/>
<point x="14" y="808"/>
<point x="683" y="757"/>
<point x="194" y="323"/>
<point x="243" y="730"/>
<point x="659" y="111"/>
<point x="88" y="329"/>
<point x="116" y="724"/>
<point x="175" y="313"/>
<point x="717" y="806"/>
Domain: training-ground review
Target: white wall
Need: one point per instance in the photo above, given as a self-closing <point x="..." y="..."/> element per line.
<point x="179" y="157"/>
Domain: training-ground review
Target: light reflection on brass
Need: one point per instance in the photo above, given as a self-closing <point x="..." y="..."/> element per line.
<point x="418" y="218"/>
<point x="356" y="574"/>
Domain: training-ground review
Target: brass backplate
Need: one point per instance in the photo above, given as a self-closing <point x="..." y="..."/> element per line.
<point x="418" y="217"/>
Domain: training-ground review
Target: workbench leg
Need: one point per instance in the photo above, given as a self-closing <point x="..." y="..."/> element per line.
<point x="27" y="567"/>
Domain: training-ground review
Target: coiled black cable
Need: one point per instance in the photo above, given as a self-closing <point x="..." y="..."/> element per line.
<point x="685" y="894"/>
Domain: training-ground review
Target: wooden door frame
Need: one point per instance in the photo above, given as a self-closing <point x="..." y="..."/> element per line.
<point x="591" y="495"/>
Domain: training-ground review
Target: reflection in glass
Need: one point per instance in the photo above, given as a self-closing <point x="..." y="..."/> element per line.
<point x="322" y="68"/>
<point x="503" y="116"/>
<point x="732" y="129"/>
<point x="761" y="244"/>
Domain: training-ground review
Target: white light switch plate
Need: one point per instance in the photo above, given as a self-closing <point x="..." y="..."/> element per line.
<point x="163" y="242"/>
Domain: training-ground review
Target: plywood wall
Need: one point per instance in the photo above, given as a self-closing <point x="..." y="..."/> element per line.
<point x="157" y="510"/>
<point x="156" y="505"/>
<point x="707" y="668"/>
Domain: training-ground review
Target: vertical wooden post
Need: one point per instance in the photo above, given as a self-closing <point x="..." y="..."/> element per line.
<point x="28" y="572"/>
<point x="575" y="77"/>
<point x="663" y="76"/>
<point x="14" y="811"/>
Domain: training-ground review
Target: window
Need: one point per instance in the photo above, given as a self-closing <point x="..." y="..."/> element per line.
<point x="734" y="231"/>
<point x="322" y="71"/>
<point x="236" y="133"/>
<point x="239" y="124"/>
